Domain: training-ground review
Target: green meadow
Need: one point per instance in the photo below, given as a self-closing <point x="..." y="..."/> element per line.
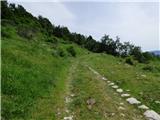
<point x="45" y="73"/>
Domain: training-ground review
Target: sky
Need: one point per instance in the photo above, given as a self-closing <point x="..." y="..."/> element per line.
<point x="136" y="21"/>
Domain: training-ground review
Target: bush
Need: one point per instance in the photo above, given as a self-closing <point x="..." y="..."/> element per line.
<point x="5" y="34"/>
<point x="61" y="52"/>
<point x="52" y="39"/>
<point x="129" y="61"/>
<point x="25" y="32"/>
<point x="148" y="68"/>
<point x="71" y="51"/>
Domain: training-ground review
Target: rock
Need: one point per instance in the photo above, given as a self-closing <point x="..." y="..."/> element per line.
<point x="143" y="107"/>
<point x="108" y="81"/>
<point x="67" y="111"/>
<point x="95" y="72"/>
<point x="89" y="107"/>
<point x="112" y="114"/>
<point x="119" y="90"/>
<point x="128" y="90"/>
<point x="68" y="118"/>
<point x="121" y="108"/>
<point x="58" y="111"/>
<point x="91" y="101"/>
<point x="133" y="101"/>
<point x="121" y="103"/>
<point x="115" y="86"/>
<point x="125" y="95"/>
<point x="111" y="84"/>
<point x="143" y="76"/>
<point x="123" y="115"/>
<point x="67" y="99"/>
<point x="152" y="115"/>
<point x="157" y="102"/>
<point x="72" y="95"/>
<point x="103" y="78"/>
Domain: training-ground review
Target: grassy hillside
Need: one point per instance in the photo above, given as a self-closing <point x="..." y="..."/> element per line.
<point x="141" y="79"/>
<point x="86" y="85"/>
<point x="31" y="70"/>
<point x="36" y="75"/>
<point x="45" y="74"/>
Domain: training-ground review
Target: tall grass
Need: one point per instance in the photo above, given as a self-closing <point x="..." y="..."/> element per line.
<point x="29" y="72"/>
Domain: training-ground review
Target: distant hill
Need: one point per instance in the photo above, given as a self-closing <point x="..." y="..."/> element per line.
<point x="156" y="52"/>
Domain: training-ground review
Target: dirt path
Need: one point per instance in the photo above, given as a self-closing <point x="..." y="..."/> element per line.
<point x="69" y="115"/>
<point x="94" y="100"/>
<point x="86" y="95"/>
<point x="147" y="113"/>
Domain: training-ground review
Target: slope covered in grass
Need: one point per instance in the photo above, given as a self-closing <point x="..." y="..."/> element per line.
<point x="87" y="85"/>
<point x="31" y="69"/>
<point x="141" y="79"/>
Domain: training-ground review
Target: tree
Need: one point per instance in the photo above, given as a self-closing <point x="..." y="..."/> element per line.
<point x="46" y="24"/>
<point x="6" y="13"/>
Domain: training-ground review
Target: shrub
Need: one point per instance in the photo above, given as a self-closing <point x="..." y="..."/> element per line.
<point x="148" y="68"/>
<point x="61" y="52"/>
<point x="25" y="32"/>
<point x="5" y="34"/>
<point x="71" y="51"/>
<point x="148" y="56"/>
<point x="129" y="61"/>
<point x="52" y="39"/>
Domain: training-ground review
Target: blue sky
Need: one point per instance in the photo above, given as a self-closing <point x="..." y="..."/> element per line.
<point x="137" y="22"/>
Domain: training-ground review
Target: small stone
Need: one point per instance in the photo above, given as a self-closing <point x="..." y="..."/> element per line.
<point x="91" y="101"/>
<point x="89" y="107"/>
<point x="128" y="90"/>
<point x="103" y="78"/>
<point x="112" y="114"/>
<point x="121" y="103"/>
<point x="143" y="107"/>
<point x="111" y="84"/>
<point x="133" y="101"/>
<point x="141" y="93"/>
<point x="72" y="95"/>
<point x="125" y="95"/>
<point x="143" y="76"/>
<point x="119" y="90"/>
<point x="68" y="118"/>
<point x="67" y="111"/>
<point x="123" y="115"/>
<point x="67" y="99"/>
<point x="115" y="86"/>
<point x="121" y="108"/>
<point x="157" y="102"/>
<point x="108" y="81"/>
<point x="152" y="115"/>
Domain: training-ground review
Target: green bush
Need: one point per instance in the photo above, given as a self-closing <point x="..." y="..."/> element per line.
<point x="25" y="32"/>
<point x="129" y="61"/>
<point x="148" y="68"/>
<point x="5" y="34"/>
<point x="52" y="39"/>
<point x="71" y="51"/>
<point x="61" y="52"/>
